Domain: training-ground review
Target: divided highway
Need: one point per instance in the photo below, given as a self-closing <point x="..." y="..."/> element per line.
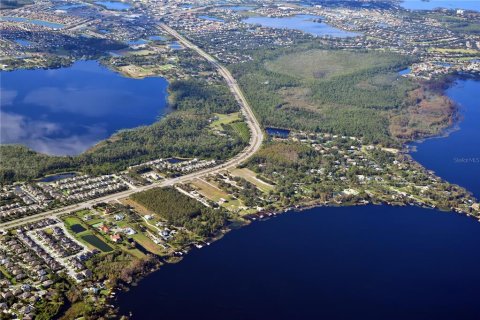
<point x="256" y="139"/>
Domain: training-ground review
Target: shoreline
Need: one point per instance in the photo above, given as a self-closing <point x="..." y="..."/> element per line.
<point x="266" y="215"/>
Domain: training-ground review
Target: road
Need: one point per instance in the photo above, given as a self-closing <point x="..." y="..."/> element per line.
<point x="256" y="139"/>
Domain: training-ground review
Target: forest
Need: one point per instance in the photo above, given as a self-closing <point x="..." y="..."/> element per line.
<point x="344" y="92"/>
<point x="182" y="211"/>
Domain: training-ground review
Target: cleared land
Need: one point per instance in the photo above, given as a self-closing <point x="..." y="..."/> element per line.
<point x="211" y="191"/>
<point x="324" y="64"/>
<point x="223" y="119"/>
<point x="251" y="177"/>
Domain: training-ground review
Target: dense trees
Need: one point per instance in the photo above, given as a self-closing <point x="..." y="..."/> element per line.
<point x="357" y="103"/>
<point x="181" y="210"/>
<point x="201" y="96"/>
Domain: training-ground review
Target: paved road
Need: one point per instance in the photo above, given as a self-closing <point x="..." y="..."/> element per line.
<point x="256" y="138"/>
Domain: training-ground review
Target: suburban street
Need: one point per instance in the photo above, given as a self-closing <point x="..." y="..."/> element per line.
<point x="256" y="138"/>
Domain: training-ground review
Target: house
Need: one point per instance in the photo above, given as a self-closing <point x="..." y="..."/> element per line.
<point x="119" y="217"/>
<point x="116" y="237"/>
<point x="104" y="229"/>
<point x="128" y="231"/>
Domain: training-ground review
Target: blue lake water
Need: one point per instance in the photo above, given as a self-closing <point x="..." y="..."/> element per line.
<point x="70" y="6"/>
<point x="23" y="42"/>
<point x="137" y="42"/>
<point x="303" y="23"/>
<point x="275" y="132"/>
<point x="404" y="71"/>
<point x="366" y="262"/>
<point x="371" y="262"/>
<point x="457" y="157"/>
<point x="59" y="176"/>
<point x="34" y="21"/>
<point x="114" y="5"/>
<point x="448" y="4"/>
<point x="175" y="45"/>
<point x="66" y="111"/>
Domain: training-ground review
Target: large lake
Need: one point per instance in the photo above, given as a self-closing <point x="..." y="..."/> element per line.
<point x="457" y="157"/>
<point x="368" y="262"/>
<point x="303" y="23"/>
<point x="448" y="4"/>
<point x="66" y="111"/>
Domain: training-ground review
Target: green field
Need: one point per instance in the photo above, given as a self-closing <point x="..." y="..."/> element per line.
<point x="211" y="191"/>
<point x="251" y="177"/>
<point x="223" y="119"/>
<point x="324" y="64"/>
<point x="241" y="128"/>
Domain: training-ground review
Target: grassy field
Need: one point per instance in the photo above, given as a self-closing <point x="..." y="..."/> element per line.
<point x="147" y="243"/>
<point x="223" y="119"/>
<point x="323" y="64"/>
<point x="211" y="191"/>
<point x="251" y="177"/>
<point x="241" y="128"/>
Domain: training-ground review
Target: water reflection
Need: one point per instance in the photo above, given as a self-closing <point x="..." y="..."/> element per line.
<point x="66" y="111"/>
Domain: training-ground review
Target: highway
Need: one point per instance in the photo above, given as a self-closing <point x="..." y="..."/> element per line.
<point x="256" y="139"/>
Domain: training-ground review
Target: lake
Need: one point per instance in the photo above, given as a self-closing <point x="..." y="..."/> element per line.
<point x="97" y="242"/>
<point x="448" y="4"/>
<point x="365" y="262"/>
<point x="23" y="42"/>
<point x="60" y="176"/>
<point x="276" y="132"/>
<point x="70" y="6"/>
<point x="370" y="262"/>
<point x="34" y="21"/>
<point x="175" y="45"/>
<point x="303" y="23"/>
<point x="66" y="111"/>
<point x="114" y="5"/>
<point x="456" y="158"/>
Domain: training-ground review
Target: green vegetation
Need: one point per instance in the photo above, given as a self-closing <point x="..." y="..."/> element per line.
<point x="223" y="119"/>
<point x="201" y="96"/>
<point x="343" y="92"/>
<point x="327" y="64"/>
<point x="241" y="129"/>
<point x="184" y="133"/>
<point x="458" y="24"/>
<point x="182" y="211"/>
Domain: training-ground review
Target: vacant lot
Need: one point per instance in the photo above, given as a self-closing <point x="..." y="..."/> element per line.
<point x="251" y="177"/>
<point x="211" y="191"/>
<point x="223" y="119"/>
<point x="323" y="64"/>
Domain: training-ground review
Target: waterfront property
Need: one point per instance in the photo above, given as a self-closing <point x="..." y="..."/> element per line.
<point x="310" y="265"/>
